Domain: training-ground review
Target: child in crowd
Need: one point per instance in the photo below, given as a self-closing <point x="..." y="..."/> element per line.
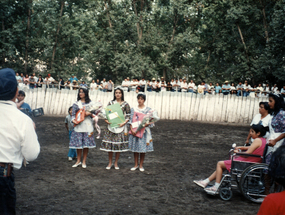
<point x="257" y="147"/>
<point x="69" y="126"/>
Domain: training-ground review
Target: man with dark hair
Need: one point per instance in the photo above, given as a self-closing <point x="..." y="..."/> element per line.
<point x="18" y="140"/>
<point x="21" y="104"/>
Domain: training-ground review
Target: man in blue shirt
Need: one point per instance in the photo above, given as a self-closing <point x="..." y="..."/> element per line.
<point x="226" y="88"/>
<point x="218" y="88"/>
<point x="73" y="78"/>
<point x="22" y="105"/>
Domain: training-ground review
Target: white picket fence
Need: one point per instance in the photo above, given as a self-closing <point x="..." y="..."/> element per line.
<point x="169" y="105"/>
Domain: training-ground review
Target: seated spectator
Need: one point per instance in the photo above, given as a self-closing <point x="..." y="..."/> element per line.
<point x="110" y="85"/>
<point x="267" y="88"/>
<point x="100" y="87"/>
<point x="21" y="104"/>
<point x="149" y="86"/>
<point x="68" y="85"/>
<point x="239" y="89"/>
<point x="252" y="91"/>
<point x="83" y="84"/>
<point x="226" y="88"/>
<point x="26" y="80"/>
<point x="163" y="86"/>
<point x="257" y="147"/>
<point x="169" y="87"/>
<point x="233" y="89"/>
<point x="218" y="88"/>
<point x="184" y="86"/>
<point x="179" y="87"/>
<point x="104" y="85"/>
<point x="263" y="118"/>
<point x="273" y="204"/>
<point x="134" y="84"/>
<point x="153" y="84"/>
<point x="211" y="88"/>
<point x="283" y="91"/>
<point x="125" y="85"/>
<point x="75" y="86"/>
<point x="93" y="85"/>
<point x="40" y="81"/>
<point x="191" y="86"/>
<point x="274" y="89"/>
<point x="18" y="78"/>
<point x="246" y="88"/>
<point x="97" y="83"/>
<point x="32" y="82"/>
<point x="35" y="77"/>
<point x="172" y="84"/>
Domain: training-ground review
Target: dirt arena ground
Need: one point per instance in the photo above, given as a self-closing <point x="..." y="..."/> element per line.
<point x="184" y="151"/>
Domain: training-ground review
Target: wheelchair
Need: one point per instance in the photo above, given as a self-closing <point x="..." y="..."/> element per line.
<point x="248" y="177"/>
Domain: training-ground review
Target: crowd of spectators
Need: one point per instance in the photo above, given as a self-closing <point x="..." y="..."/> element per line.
<point x="181" y="85"/>
<point x="153" y="85"/>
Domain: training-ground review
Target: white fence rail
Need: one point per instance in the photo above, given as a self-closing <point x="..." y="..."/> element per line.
<point x="170" y="105"/>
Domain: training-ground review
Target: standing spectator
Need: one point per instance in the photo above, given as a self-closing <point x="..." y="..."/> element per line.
<point x="149" y="86"/>
<point x="40" y="82"/>
<point x="142" y="84"/>
<point x="110" y="86"/>
<point x="169" y="87"/>
<point x="233" y="89"/>
<point x="158" y="86"/>
<point x="239" y="88"/>
<point x="61" y="83"/>
<point x="179" y="87"/>
<point x="267" y="88"/>
<point x="18" y="77"/>
<point x="75" y="85"/>
<point x="100" y="87"/>
<point x="153" y="84"/>
<point x="191" y="86"/>
<point x="97" y="83"/>
<point x="252" y="91"/>
<point x="259" y="90"/>
<point x="211" y="88"/>
<point x="246" y="89"/>
<point x="201" y="88"/>
<point x="218" y="88"/>
<point x="22" y="76"/>
<point x="104" y="83"/>
<point x="176" y="86"/>
<point x="73" y="78"/>
<point x="35" y="77"/>
<point x="18" y="140"/>
<point x="274" y="89"/>
<point x="49" y="81"/>
<point x="68" y="85"/>
<point x="163" y="86"/>
<point x="172" y="82"/>
<point x="93" y="85"/>
<point x="126" y="84"/>
<point x="83" y="84"/>
<point x="32" y="82"/>
<point x="26" y="80"/>
<point x="21" y="103"/>
<point x="283" y="91"/>
<point x="226" y="88"/>
<point x="133" y="84"/>
<point x="184" y="86"/>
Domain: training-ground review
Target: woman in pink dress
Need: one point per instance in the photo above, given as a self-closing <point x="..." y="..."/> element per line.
<point x="257" y="147"/>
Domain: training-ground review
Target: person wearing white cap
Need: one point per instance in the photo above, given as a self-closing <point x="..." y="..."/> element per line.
<point x="18" y="140"/>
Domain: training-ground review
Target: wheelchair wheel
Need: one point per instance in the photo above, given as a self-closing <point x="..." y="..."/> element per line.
<point x="226" y="193"/>
<point x="252" y="182"/>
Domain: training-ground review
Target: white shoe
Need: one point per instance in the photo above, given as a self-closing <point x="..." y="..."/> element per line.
<point x="76" y="165"/>
<point x="109" y="167"/>
<point x="134" y="168"/>
<point x="142" y="169"/>
<point x="84" y="166"/>
<point x="70" y="158"/>
<point x="200" y="183"/>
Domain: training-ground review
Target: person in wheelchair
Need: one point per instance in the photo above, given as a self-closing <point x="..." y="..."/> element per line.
<point x="274" y="203"/>
<point x="257" y="147"/>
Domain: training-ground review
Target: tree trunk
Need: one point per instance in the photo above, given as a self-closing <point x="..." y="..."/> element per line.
<point x="264" y="22"/>
<point x="56" y="36"/>
<point x="164" y="73"/>
<point x="139" y="27"/>
<point x="108" y="15"/>
<point x="3" y="55"/>
<point x="245" y="48"/>
<point x="27" y="35"/>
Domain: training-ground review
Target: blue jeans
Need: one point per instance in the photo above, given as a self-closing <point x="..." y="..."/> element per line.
<point x="7" y="193"/>
<point x="72" y="152"/>
<point x="190" y="90"/>
<point x="239" y="93"/>
<point x="245" y="94"/>
<point x="149" y="89"/>
<point x="32" y="86"/>
<point x="104" y="90"/>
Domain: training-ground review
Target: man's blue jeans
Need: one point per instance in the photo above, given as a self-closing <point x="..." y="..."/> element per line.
<point x="7" y="193"/>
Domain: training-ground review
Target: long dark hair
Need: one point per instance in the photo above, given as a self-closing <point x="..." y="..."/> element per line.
<point x="265" y="105"/>
<point x="279" y="103"/>
<point x="86" y="92"/>
<point x="121" y="92"/>
<point x="277" y="165"/>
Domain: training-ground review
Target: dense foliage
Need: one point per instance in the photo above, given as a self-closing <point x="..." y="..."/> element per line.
<point x="213" y="40"/>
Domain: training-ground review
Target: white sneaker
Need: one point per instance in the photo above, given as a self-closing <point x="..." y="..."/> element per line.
<point x="211" y="190"/>
<point x="70" y="158"/>
<point x="200" y="183"/>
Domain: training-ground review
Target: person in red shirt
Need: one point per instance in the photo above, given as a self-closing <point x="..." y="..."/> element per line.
<point x="274" y="204"/>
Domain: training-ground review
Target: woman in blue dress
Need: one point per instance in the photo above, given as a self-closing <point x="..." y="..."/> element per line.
<point x="140" y="145"/>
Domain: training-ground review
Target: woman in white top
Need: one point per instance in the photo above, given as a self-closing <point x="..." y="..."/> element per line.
<point x="93" y="85"/>
<point x="262" y="118"/>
